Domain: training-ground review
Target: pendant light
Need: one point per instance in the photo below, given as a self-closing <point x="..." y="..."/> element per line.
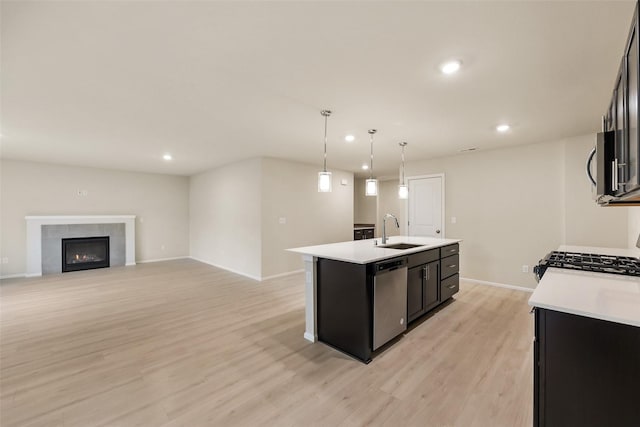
<point x="324" y="177"/>
<point x="371" y="185"/>
<point x="403" y="189"/>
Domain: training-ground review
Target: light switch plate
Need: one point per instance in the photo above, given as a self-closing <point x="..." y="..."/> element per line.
<point x="344" y="181"/>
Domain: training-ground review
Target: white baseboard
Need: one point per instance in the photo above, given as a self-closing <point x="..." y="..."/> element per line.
<point x="231" y="270"/>
<point x="310" y="337"/>
<point x="160" y="260"/>
<point x="15" y="276"/>
<point x="259" y="279"/>
<point x="498" y="285"/>
<point x="289" y="273"/>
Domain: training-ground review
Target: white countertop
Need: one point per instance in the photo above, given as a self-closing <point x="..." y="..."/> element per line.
<point x="604" y="296"/>
<point x="364" y="251"/>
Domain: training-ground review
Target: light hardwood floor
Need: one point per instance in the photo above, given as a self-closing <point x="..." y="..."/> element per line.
<point x="181" y="343"/>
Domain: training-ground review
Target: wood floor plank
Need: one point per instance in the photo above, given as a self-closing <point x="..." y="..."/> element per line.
<point x="181" y="343"/>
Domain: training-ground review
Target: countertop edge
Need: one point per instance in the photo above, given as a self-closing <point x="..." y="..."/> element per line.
<point x="399" y="253"/>
<point x="620" y="320"/>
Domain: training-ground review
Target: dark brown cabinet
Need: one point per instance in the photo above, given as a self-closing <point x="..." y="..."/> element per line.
<point x="623" y="170"/>
<point x="345" y="302"/>
<point x="422" y="289"/>
<point x="586" y="371"/>
<point x="450" y="267"/>
<point x="432" y="278"/>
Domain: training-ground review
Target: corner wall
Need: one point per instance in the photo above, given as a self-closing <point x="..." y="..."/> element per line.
<point x="634" y="228"/>
<point x="160" y="203"/>
<point x="236" y="213"/>
<point x="225" y="217"/>
<point x="289" y="194"/>
<point x="364" y="207"/>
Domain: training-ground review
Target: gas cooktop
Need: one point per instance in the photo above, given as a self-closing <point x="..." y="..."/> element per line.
<point x="624" y="265"/>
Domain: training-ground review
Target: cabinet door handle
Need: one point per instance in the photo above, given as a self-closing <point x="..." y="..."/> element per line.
<point x="452" y="266"/>
<point x="426" y="272"/>
<point x="452" y="250"/>
<point x="451" y="286"/>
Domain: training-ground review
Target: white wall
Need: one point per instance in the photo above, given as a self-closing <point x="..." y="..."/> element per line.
<point x="365" y="207"/>
<point x="289" y="191"/>
<point x="388" y="202"/>
<point x="160" y="203"/>
<point x="514" y="205"/>
<point x="225" y="217"/>
<point x="634" y="228"/>
<point x="235" y="215"/>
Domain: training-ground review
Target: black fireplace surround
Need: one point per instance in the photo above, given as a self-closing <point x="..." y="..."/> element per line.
<point x="85" y="253"/>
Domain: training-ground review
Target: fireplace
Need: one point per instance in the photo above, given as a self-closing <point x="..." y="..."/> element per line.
<point x="85" y="253"/>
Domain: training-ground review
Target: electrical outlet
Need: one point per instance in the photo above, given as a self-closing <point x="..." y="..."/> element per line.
<point x="282" y="220"/>
<point x="162" y="247"/>
<point x="454" y="220"/>
<point x="525" y="268"/>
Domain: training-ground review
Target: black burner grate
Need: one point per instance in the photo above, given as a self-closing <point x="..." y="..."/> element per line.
<point x="593" y="262"/>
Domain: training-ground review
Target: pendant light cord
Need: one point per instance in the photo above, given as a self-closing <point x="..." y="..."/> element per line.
<point x="326" y="114"/>
<point x="325" y="144"/>
<point x="403" y="162"/>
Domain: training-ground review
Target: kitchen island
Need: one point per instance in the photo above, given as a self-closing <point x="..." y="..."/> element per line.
<point x="587" y="346"/>
<point x="355" y="291"/>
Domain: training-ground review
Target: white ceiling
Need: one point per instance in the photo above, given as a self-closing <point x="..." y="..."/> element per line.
<point x="118" y="84"/>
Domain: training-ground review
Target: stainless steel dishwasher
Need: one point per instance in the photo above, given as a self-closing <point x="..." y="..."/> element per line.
<point x="389" y="300"/>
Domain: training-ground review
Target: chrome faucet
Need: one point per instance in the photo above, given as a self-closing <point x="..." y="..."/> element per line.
<point x="384" y="226"/>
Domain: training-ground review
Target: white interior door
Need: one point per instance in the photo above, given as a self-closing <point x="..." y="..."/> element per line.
<point x="425" y="206"/>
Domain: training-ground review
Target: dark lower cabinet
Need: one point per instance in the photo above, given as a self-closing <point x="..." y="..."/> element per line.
<point x="586" y="371"/>
<point x="345" y="297"/>
<point x="344" y="307"/>
<point x="422" y="289"/>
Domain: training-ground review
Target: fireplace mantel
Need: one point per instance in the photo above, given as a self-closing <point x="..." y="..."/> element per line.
<point x="34" y="235"/>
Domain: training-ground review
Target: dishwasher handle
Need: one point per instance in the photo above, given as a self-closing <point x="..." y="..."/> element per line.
<point x="390" y="265"/>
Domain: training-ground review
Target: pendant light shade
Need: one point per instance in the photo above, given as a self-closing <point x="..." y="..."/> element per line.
<point x="403" y="189"/>
<point x="371" y="185"/>
<point x="324" y="182"/>
<point x="324" y="177"/>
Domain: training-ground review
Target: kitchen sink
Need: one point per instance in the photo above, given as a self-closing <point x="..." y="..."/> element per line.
<point x="400" y="246"/>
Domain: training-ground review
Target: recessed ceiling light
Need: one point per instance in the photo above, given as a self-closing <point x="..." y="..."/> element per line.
<point x="503" y="128"/>
<point x="450" y="67"/>
<point x="349" y="138"/>
<point x="365" y="166"/>
<point x="167" y="157"/>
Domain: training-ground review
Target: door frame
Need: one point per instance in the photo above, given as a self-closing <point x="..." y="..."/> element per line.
<point x="406" y="202"/>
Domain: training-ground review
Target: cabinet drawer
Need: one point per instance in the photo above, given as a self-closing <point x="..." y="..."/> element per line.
<point x="449" y="286"/>
<point x="423" y="257"/>
<point x="450" y="265"/>
<point x="449" y="250"/>
<point x="367" y="233"/>
<point x="357" y="234"/>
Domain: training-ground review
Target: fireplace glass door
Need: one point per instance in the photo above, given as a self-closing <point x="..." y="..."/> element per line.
<point x="85" y="253"/>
